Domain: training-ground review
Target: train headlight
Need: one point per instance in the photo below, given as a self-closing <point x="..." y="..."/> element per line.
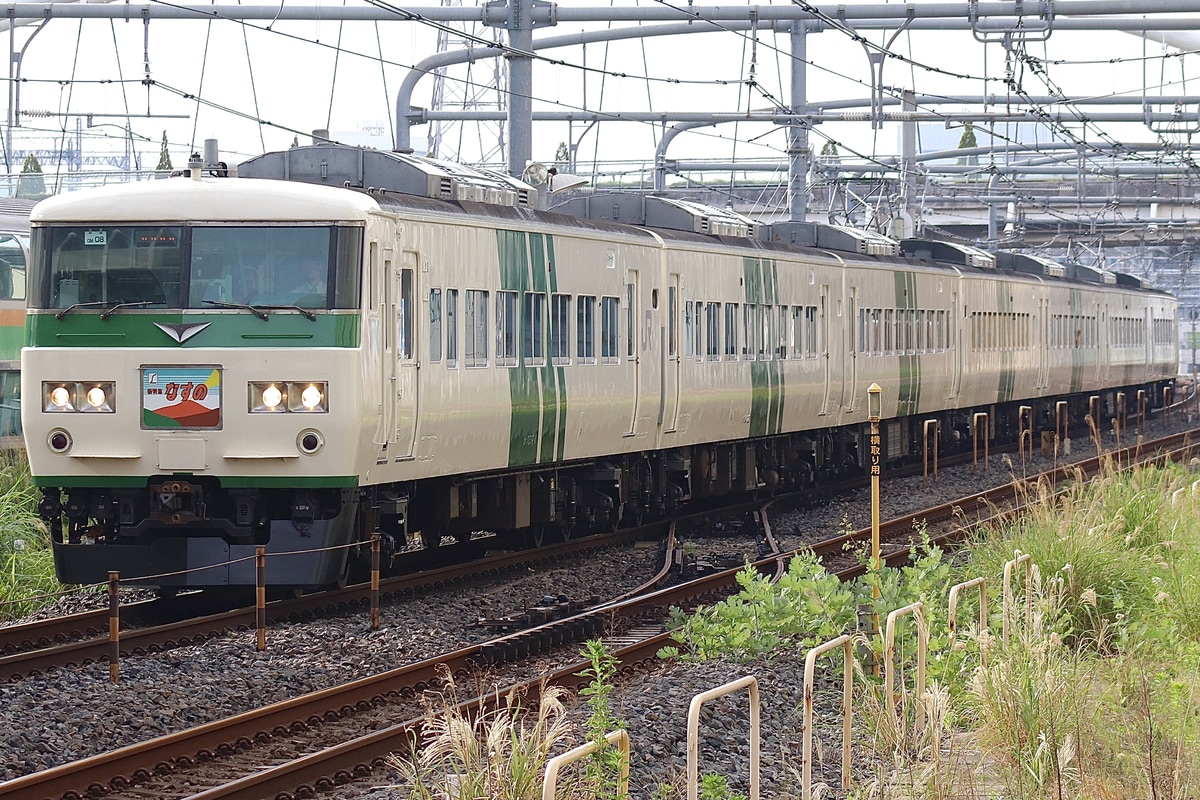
<point x="268" y="398"/>
<point x="63" y="396"/>
<point x="99" y="397"/>
<point x="310" y="395"/>
<point x="57" y="397"/>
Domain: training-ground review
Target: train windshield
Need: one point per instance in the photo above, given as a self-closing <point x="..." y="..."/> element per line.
<point x="198" y="266"/>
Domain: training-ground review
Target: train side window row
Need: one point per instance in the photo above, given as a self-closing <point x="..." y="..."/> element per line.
<point x="1001" y="330"/>
<point x="899" y="331"/>
<point x="749" y="331"/>
<point x="1069" y="331"/>
<point x="1127" y="332"/>
<point x="521" y="334"/>
<point x="1164" y="332"/>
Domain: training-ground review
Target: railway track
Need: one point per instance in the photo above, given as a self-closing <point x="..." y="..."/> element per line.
<point x="155" y="625"/>
<point x="315" y="742"/>
<point x="81" y="639"/>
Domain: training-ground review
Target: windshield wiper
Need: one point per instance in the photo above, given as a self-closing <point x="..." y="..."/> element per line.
<point x="113" y="310"/>
<point x="303" y="311"/>
<point x="255" y="310"/>
<point x="74" y="306"/>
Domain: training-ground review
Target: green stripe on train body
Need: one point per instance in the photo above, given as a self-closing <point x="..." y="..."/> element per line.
<point x="908" y="397"/>
<point x="1007" y="385"/>
<point x="538" y="395"/>
<point x="768" y="388"/>
<point x="241" y="329"/>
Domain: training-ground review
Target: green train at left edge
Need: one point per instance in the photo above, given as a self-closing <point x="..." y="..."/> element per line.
<point x="14" y="252"/>
<point x="339" y="341"/>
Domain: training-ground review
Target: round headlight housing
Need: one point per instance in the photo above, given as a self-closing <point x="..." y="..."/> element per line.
<point x="272" y="397"/>
<point x="60" y="398"/>
<point x="311" y="397"/>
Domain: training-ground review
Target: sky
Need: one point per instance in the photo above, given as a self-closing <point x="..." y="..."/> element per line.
<point x="293" y="75"/>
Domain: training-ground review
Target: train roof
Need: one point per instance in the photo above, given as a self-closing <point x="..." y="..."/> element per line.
<point x="384" y="171"/>
<point x="171" y="199"/>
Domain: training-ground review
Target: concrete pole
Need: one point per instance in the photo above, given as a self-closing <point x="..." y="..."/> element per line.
<point x="908" y="166"/>
<point x="798" y="151"/>
<point x="520" y="85"/>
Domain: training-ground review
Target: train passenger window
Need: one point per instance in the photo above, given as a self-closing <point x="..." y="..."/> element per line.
<point x="630" y="327"/>
<point x="766" y="349"/>
<point x="404" y="324"/>
<point x="585" y="330"/>
<point x="534" y="329"/>
<point x="797" y="331"/>
<point x="688" y="330"/>
<point x="712" y="333"/>
<point x="12" y="268"/>
<point x="731" y="337"/>
<point x="475" y="320"/>
<point x="560" y="328"/>
<point x="610" y="315"/>
<point x="672" y="321"/>
<point x="452" y="328"/>
<point x="810" y="331"/>
<point x="10" y="403"/>
<point x="506" y="329"/>
<point x="782" y="344"/>
<point x="750" y="327"/>
<point x="435" y="325"/>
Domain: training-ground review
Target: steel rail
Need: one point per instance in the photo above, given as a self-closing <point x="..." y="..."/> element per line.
<point x="329" y="767"/>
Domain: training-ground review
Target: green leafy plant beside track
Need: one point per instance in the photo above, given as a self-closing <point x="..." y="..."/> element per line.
<point x="1095" y="693"/>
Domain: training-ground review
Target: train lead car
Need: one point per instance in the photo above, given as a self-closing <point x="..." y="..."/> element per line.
<point x="338" y="341"/>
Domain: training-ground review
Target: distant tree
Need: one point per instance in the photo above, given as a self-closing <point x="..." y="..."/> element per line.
<point x="830" y="149"/>
<point x="562" y="155"/>
<point x="296" y="140"/>
<point x="164" y="156"/>
<point x="968" y="140"/>
<point x="968" y="137"/>
<point x="31" y="183"/>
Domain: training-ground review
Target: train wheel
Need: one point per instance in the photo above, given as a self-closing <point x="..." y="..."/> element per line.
<point x="536" y="535"/>
<point x="567" y="532"/>
<point x="432" y="539"/>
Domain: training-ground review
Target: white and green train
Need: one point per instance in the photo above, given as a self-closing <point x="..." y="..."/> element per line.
<point x="215" y="363"/>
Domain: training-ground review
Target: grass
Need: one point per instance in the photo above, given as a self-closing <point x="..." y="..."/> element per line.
<point x="1094" y="695"/>
<point x="28" y="581"/>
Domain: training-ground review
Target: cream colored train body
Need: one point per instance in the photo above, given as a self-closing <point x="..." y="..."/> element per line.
<point x="471" y="363"/>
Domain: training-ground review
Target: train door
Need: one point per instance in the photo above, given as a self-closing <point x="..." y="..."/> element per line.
<point x="855" y="336"/>
<point x="1147" y="339"/>
<point x="954" y="335"/>
<point x="1103" y="344"/>
<point x="636" y="341"/>
<point x="403" y="312"/>
<point x="379" y="344"/>
<point x="671" y="359"/>
<point x="1042" y="342"/>
<point x="823" y="345"/>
